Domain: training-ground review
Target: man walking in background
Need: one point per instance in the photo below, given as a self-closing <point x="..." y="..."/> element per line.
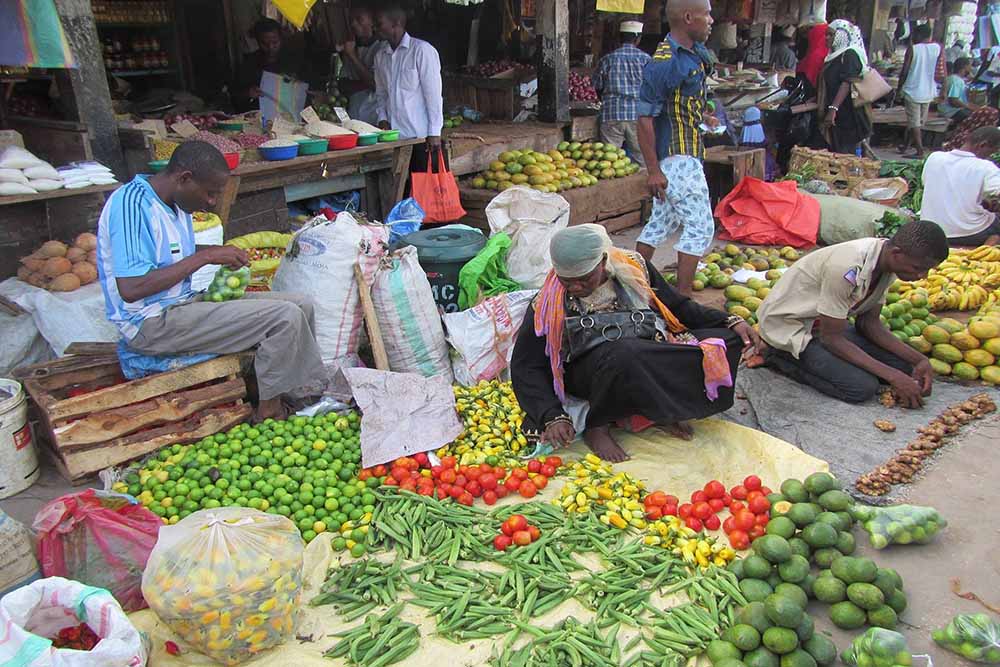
<point x="617" y="80"/>
<point x="672" y="109"/>
<point x="922" y="64"/>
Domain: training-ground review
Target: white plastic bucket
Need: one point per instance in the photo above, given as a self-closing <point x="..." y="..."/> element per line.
<point x="18" y="458"/>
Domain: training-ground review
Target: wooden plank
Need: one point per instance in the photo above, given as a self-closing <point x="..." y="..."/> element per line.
<point x="474" y="147"/>
<point x="144" y="388"/>
<point x="400" y="173"/>
<point x="330" y="156"/>
<point x="57" y="194"/>
<point x="624" y="221"/>
<point x="371" y="321"/>
<point x="77" y="465"/>
<point x="173" y="407"/>
<point x="91" y="349"/>
<point x="225" y="203"/>
<point x="583" y="128"/>
<point x="64" y="365"/>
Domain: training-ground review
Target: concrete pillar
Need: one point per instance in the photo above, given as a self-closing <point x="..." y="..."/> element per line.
<point x="552" y="34"/>
<point x="86" y="87"/>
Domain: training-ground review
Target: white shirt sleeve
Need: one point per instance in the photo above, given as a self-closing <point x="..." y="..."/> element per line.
<point x="429" y="69"/>
<point x="991" y="183"/>
<point x="383" y="62"/>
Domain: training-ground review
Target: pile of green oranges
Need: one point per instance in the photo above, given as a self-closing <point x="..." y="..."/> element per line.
<point x="303" y="468"/>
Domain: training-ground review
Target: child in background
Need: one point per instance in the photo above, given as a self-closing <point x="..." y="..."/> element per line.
<point x="753" y="137"/>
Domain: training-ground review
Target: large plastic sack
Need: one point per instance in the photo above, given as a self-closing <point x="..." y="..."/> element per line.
<point x="484" y="336"/>
<point x="63" y="318"/>
<point x="846" y="218"/>
<point x="975" y="637"/>
<point x="530" y="218"/>
<point x="408" y="317"/>
<point x="763" y="213"/>
<point x="899" y="524"/>
<point x="19" y="565"/>
<point x="34" y="614"/>
<point x="878" y="647"/>
<point x="486" y="274"/>
<point x="98" y="538"/>
<point x="208" y="235"/>
<point x="320" y="264"/>
<point x="227" y="581"/>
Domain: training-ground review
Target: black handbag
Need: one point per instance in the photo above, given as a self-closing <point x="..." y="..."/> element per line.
<point x="585" y="332"/>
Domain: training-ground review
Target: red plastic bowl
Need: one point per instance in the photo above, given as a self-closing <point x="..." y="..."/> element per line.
<point x="340" y="142"/>
<point x="232" y="159"/>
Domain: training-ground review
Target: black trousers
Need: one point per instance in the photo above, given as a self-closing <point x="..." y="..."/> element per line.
<point x="824" y="371"/>
<point x="419" y="160"/>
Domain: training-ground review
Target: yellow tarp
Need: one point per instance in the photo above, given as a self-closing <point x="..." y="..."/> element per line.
<point x="720" y="450"/>
<point x="622" y="6"/>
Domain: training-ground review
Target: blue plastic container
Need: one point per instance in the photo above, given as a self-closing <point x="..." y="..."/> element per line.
<point x="279" y="152"/>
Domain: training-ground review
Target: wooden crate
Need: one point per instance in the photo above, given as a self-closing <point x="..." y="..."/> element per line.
<point x="617" y="204"/>
<point x="496" y="98"/>
<point x="88" y="432"/>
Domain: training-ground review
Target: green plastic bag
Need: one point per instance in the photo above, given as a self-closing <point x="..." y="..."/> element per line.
<point x="878" y="647"/>
<point x="485" y="275"/>
<point x="975" y="637"/>
<point x="899" y="524"/>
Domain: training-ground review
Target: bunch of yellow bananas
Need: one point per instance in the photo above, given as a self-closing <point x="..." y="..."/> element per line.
<point x="942" y="293"/>
<point x="492" y="419"/>
<point x="595" y="485"/>
<point x="987" y="253"/>
<point x="694" y="548"/>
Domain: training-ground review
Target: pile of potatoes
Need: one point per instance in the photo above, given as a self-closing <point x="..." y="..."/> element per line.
<point x="61" y="268"/>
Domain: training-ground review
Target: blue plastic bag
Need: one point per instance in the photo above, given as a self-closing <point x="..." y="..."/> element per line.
<point x="404" y="218"/>
<point x="136" y="365"/>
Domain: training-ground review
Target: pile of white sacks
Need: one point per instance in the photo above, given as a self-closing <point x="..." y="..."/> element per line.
<point x="22" y="173"/>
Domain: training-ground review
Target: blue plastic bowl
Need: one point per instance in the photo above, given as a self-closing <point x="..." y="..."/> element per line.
<point x="279" y="152"/>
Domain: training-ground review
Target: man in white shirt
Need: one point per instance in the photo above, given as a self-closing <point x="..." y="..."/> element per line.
<point x="955" y="183"/>
<point x="408" y="84"/>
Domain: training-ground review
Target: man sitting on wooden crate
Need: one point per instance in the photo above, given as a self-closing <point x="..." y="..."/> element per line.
<point x="145" y="257"/>
<point x="804" y="320"/>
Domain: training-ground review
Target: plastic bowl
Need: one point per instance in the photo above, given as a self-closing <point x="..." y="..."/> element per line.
<point x="279" y="152"/>
<point x="312" y="146"/>
<point x="232" y="159"/>
<point x="157" y="165"/>
<point x="368" y="139"/>
<point x="230" y="125"/>
<point x="388" y="135"/>
<point x="340" y="142"/>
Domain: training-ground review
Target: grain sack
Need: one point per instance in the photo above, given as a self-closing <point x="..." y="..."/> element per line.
<point x="846" y="218"/>
<point x="530" y="218"/>
<point x="411" y="326"/>
<point x="484" y="336"/>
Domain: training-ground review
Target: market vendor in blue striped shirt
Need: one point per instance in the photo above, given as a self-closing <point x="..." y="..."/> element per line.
<point x="617" y="79"/>
<point x="672" y="109"/>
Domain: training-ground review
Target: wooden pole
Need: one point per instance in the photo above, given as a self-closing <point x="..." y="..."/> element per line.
<point x="552" y="35"/>
<point x="371" y="321"/>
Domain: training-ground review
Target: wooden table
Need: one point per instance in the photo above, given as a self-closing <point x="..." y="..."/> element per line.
<point x="896" y="117"/>
<point x="381" y="170"/>
<point x="725" y="167"/>
<point x="474" y="145"/>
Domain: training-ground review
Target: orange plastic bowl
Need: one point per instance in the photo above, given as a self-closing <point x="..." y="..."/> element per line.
<point x="340" y="142"/>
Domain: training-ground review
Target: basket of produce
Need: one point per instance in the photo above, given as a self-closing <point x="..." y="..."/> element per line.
<point x="278" y="149"/>
<point x="265" y="250"/>
<point x="841" y="172"/>
<point x="884" y="191"/>
<point x="202" y="220"/>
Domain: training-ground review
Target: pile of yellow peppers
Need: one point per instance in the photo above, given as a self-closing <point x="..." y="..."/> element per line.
<point x="492" y="420"/>
<point x="695" y="548"/>
<point x="594" y="482"/>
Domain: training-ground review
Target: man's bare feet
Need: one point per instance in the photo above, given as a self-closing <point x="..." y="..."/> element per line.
<point x="603" y="445"/>
<point x="680" y="430"/>
<point x="272" y="408"/>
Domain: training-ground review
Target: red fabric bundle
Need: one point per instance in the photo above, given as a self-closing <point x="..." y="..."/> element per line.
<point x="761" y="213"/>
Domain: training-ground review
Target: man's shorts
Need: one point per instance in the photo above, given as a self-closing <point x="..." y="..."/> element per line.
<point x="688" y="207"/>
<point x="916" y="112"/>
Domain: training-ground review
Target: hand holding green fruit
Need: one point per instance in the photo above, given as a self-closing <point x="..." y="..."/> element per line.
<point x="228" y="284"/>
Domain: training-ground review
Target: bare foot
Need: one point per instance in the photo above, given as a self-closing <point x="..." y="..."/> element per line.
<point x="270" y="409"/>
<point x="603" y="445"/>
<point x="680" y="430"/>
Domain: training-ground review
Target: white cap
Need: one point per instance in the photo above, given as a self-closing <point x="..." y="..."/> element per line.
<point x="634" y="27"/>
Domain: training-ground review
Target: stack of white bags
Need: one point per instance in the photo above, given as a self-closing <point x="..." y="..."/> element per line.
<point x="22" y="173"/>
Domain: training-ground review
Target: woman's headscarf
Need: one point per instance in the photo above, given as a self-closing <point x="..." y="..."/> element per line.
<point x="847" y="37"/>
<point x="578" y="250"/>
<point x="816" y="52"/>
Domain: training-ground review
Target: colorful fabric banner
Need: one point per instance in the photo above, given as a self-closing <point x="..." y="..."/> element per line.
<point x="31" y="35"/>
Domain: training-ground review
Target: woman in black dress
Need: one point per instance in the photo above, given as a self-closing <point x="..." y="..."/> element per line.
<point x="845" y="125"/>
<point x="606" y="328"/>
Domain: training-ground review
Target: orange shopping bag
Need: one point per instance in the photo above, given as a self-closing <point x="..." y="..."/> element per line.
<point x="437" y="193"/>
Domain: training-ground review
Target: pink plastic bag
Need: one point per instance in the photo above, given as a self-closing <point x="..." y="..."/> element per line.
<point x="100" y="539"/>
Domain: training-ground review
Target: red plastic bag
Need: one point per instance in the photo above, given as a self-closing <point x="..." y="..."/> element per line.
<point x="762" y="213"/>
<point x="100" y="539"/>
<point x="437" y="193"/>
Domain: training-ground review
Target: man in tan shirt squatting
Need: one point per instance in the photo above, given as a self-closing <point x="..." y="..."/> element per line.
<point x="804" y="320"/>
